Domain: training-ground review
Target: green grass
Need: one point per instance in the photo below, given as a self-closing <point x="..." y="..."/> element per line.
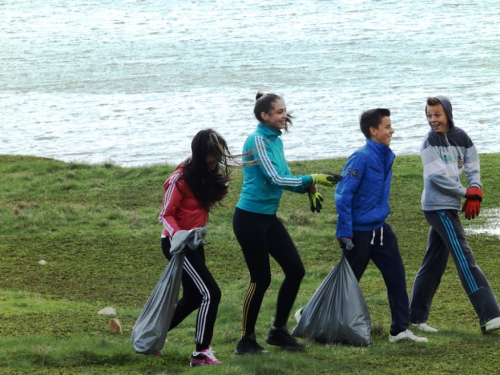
<point x="96" y="227"/>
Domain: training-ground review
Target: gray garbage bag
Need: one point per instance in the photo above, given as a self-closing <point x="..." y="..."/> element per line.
<point x="150" y="329"/>
<point x="337" y="312"/>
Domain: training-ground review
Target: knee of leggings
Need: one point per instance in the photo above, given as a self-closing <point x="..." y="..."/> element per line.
<point x="215" y="294"/>
<point x="262" y="282"/>
<point x="297" y="274"/>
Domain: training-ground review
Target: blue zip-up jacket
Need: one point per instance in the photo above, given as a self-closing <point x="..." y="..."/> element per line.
<point x="265" y="180"/>
<point x="362" y="196"/>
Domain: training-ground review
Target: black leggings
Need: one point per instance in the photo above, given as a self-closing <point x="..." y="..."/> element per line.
<point x="199" y="290"/>
<point x="259" y="236"/>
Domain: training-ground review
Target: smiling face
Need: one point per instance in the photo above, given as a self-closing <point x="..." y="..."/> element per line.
<point x="383" y="133"/>
<point x="437" y="119"/>
<point x="276" y="118"/>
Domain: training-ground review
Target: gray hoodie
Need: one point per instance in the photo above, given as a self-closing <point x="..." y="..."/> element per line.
<point x="444" y="158"/>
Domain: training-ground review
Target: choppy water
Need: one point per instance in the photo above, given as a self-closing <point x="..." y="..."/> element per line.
<point x="487" y="223"/>
<point x="131" y="82"/>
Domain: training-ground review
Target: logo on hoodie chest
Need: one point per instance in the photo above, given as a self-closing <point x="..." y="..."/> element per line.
<point x="446" y="158"/>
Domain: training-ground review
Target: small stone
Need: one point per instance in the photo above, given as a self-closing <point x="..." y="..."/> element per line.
<point x="42" y="263"/>
<point x="107" y="311"/>
<point x="115" y="326"/>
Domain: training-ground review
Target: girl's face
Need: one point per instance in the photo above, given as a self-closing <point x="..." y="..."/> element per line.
<point x="276" y="118"/>
<point x="212" y="162"/>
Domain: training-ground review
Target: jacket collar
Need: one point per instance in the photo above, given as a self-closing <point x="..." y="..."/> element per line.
<point x="379" y="148"/>
<point x="266" y="130"/>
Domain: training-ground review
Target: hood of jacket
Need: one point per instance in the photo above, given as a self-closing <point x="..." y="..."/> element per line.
<point x="445" y="102"/>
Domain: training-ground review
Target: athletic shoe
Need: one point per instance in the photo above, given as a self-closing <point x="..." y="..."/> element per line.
<point x="158" y="353"/>
<point x="423" y="327"/>
<point x="406" y="336"/>
<point x="491" y="325"/>
<point x="205" y="357"/>
<point x="279" y="337"/>
<point x="249" y="345"/>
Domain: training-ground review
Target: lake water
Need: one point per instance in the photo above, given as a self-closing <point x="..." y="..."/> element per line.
<point x="131" y="82"/>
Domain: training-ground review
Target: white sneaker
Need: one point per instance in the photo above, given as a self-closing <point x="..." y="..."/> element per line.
<point x="423" y="327"/>
<point x="492" y="325"/>
<point x="406" y="335"/>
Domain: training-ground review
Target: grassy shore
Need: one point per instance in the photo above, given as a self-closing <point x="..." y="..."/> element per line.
<point x="96" y="227"/>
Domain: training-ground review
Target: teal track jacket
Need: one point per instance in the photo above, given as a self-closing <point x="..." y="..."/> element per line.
<point x="265" y="179"/>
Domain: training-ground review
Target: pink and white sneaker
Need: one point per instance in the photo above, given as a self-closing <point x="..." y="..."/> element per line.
<point x="205" y="357"/>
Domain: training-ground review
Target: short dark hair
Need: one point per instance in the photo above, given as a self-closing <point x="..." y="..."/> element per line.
<point x="265" y="103"/>
<point x="372" y="117"/>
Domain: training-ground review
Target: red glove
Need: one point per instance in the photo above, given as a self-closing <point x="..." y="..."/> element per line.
<point x="474" y="192"/>
<point x="471" y="208"/>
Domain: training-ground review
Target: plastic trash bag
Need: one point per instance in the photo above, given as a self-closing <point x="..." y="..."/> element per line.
<point x="337" y="312"/>
<point x="150" y="329"/>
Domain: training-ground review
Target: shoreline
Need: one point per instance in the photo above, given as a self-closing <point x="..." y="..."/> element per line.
<point x="110" y="162"/>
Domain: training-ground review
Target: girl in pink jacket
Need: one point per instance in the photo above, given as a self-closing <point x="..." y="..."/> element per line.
<point x="198" y="183"/>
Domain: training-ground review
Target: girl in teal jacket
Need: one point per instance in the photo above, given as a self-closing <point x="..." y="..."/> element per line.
<point x="258" y="230"/>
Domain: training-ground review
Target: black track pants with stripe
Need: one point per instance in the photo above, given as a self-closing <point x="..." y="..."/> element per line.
<point x="259" y="236"/>
<point x="199" y="291"/>
<point x="447" y="236"/>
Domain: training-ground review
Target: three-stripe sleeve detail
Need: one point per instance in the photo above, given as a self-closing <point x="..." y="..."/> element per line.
<point x="166" y="201"/>
<point x="269" y="168"/>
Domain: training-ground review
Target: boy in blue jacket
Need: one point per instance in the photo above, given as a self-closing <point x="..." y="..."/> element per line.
<point x="362" y="200"/>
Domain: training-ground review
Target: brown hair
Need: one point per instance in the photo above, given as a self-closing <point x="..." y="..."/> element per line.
<point x="432" y="101"/>
<point x="265" y="103"/>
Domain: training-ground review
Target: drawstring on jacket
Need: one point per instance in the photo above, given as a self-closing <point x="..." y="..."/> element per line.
<point x="381" y="237"/>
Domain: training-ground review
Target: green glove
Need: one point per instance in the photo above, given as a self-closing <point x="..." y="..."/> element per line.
<point x="326" y="179"/>
<point x="315" y="200"/>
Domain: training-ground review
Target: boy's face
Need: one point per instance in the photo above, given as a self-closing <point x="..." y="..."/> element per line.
<point x="383" y="133"/>
<point x="437" y="119"/>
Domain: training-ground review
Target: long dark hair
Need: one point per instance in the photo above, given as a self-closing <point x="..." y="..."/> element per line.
<point x="209" y="187"/>
<point x="265" y="103"/>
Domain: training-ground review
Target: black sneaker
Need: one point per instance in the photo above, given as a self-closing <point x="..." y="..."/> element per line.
<point x="282" y="338"/>
<point x="249" y="345"/>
